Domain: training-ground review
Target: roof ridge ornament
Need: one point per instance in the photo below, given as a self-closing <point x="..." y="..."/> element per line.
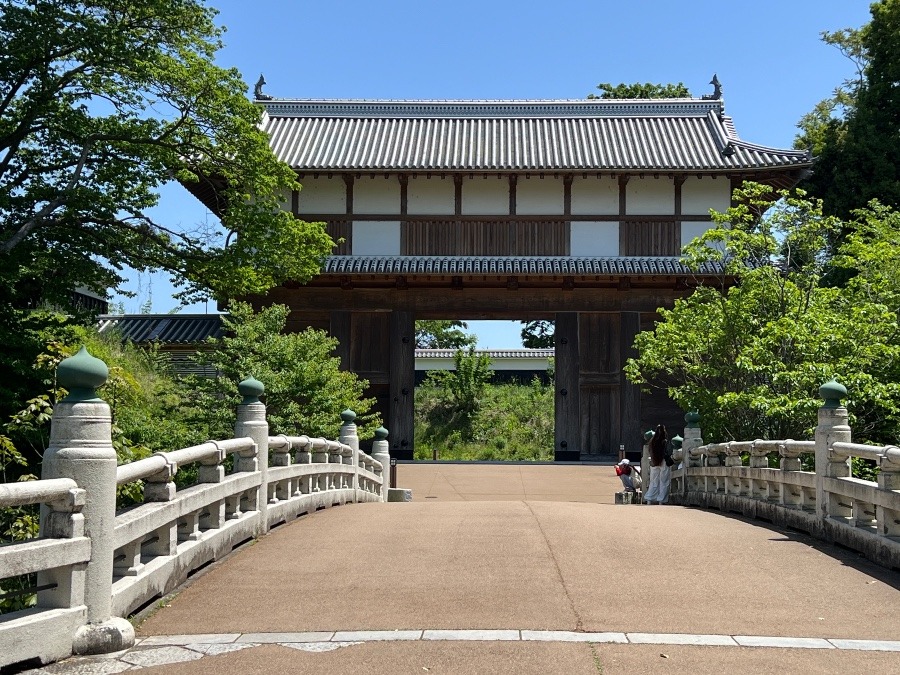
<point x="257" y="90"/>
<point x="717" y="90"/>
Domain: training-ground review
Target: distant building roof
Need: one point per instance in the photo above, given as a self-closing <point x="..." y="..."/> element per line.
<point x="186" y="329"/>
<point x="683" y="135"/>
<point x="491" y="353"/>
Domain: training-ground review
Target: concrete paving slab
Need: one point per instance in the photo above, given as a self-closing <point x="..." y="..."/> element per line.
<point x="492" y="635"/>
<point x="207" y="638"/>
<point x="681" y="639"/>
<point x="270" y="638"/>
<point x="868" y="645"/>
<point x="571" y="636"/>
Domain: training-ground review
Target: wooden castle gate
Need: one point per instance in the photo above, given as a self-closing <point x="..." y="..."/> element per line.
<point x="574" y="211"/>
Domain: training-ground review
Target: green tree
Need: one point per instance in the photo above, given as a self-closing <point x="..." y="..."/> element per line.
<point x="305" y="388"/>
<point x="462" y="389"/>
<point x="751" y="355"/>
<point x="858" y="137"/>
<point x="537" y="334"/>
<point x="641" y="90"/>
<point x="443" y="334"/>
<point x="100" y="104"/>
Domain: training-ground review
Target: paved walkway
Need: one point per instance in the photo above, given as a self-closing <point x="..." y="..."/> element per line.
<point x="487" y="571"/>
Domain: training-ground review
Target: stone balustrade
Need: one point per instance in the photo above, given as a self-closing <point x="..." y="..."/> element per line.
<point x="96" y="564"/>
<point x="827" y="502"/>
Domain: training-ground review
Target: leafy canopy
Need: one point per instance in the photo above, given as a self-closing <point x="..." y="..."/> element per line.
<point x="443" y="334"/>
<point x="751" y="351"/>
<point x="101" y="103"/>
<point x="855" y="133"/>
<point x="305" y="387"/>
<point x="641" y="90"/>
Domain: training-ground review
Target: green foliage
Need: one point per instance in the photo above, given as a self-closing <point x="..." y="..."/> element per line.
<point x="454" y="411"/>
<point x="752" y="355"/>
<point x="514" y="423"/>
<point x="305" y="388"/>
<point x="537" y="334"/>
<point x="443" y="334"/>
<point x="103" y="103"/>
<point x="854" y="133"/>
<point x="641" y="90"/>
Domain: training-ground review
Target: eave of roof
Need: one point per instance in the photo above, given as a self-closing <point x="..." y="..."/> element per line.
<point x="512" y="265"/>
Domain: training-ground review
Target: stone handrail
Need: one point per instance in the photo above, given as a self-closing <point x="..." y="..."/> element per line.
<point x="97" y="564"/>
<point x="827" y="502"/>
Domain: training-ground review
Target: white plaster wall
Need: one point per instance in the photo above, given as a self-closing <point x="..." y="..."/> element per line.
<point x="376" y="195"/>
<point x="540" y="196"/>
<point x="690" y="231"/>
<point x="322" y="195"/>
<point x="376" y="237"/>
<point x="700" y="194"/>
<point x="285" y="200"/>
<point x="594" y="238"/>
<point x="485" y="196"/>
<point x="650" y="196"/>
<point x="427" y="196"/>
<point x="595" y="196"/>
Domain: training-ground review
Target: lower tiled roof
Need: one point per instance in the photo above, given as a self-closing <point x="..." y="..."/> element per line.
<point x="165" y="328"/>
<point x="508" y="265"/>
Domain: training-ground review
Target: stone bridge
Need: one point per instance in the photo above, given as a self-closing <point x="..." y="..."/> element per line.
<point x="494" y="569"/>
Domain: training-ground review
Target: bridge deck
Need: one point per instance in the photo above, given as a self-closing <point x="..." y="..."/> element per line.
<point x="495" y="552"/>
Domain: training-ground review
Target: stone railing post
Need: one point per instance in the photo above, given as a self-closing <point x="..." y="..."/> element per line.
<point x="832" y="428"/>
<point x="81" y="449"/>
<point x="381" y="452"/>
<point x="349" y="437"/>
<point x="251" y="422"/>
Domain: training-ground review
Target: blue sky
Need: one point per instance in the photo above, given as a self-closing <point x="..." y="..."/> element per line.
<point x="767" y="54"/>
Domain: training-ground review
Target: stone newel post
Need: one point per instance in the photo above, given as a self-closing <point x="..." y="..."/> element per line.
<point x="251" y="422"/>
<point x="349" y="437"/>
<point x="81" y="449"/>
<point x="832" y="428"/>
<point x="381" y="452"/>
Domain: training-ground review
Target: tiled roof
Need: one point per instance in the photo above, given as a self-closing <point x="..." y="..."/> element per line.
<point x="491" y="353"/>
<point x="689" y="135"/>
<point x="507" y="265"/>
<point x="166" y="328"/>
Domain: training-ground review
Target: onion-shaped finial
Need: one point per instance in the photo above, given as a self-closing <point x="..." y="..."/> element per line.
<point x="348" y="416"/>
<point x="832" y="392"/>
<point x="648" y="435"/>
<point x="381" y="434"/>
<point x="81" y="374"/>
<point x="251" y="389"/>
<point x="676" y="442"/>
<point x="692" y="419"/>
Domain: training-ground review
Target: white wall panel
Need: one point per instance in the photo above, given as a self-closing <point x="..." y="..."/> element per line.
<point x="690" y="231"/>
<point x="650" y="196"/>
<point x="376" y="195"/>
<point x="588" y="238"/>
<point x="430" y="196"/>
<point x="699" y="195"/>
<point x="376" y="237"/>
<point x="323" y="195"/>
<point x="485" y="196"/>
<point x="540" y="196"/>
<point x="595" y="196"/>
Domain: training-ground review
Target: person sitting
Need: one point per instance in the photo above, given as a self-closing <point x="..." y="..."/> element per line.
<point x="629" y="474"/>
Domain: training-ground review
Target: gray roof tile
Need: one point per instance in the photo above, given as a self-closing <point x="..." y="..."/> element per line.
<point x="509" y="265"/>
<point x="579" y="135"/>
<point x="165" y="328"/>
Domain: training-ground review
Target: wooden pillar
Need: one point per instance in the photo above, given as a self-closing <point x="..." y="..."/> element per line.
<point x="630" y="429"/>
<point x="567" y="435"/>
<point x="402" y="384"/>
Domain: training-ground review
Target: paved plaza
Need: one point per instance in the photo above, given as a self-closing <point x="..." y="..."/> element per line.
<point x="523" y="569"/>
